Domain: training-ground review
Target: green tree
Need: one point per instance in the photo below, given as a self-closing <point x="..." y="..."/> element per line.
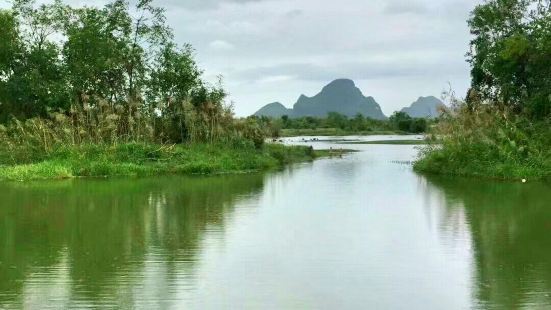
<point x="359" y="123"/>
<point x="401" y="121"/>
<point x="37" y="84"/>
<point x="33" y="78"/>
<point x="337" y="120"/>
<point x="114" y="65"/>
<point x="10" y="48"/>
<point x="10" y="45"/>
<point x="418" y="125"/>
<point x="95" y="53"/>
<point x="511" y="54"/>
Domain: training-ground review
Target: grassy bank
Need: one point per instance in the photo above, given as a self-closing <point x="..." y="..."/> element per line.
<point x="149" y="159"/>
<point x="478" y="161"/>
<point x="445" y="161"/>
<point x="489" y="145"/>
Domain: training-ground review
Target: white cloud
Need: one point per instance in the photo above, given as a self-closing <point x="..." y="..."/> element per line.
<point x="221" y="45"/>
<point x="406" y="6"/>
<point x="276" y="78"/>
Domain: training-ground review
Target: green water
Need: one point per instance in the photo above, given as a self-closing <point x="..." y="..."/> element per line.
<point x="359" y="232"/>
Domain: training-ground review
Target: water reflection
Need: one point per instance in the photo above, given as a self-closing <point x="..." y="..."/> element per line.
<point x="510" y="226"/>
<point x="362" y="231"/>
<point x="108" y="242"/>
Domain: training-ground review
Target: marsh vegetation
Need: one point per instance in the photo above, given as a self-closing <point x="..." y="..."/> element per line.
<point x="502" y="129"/>
<point x="135" y="103"/>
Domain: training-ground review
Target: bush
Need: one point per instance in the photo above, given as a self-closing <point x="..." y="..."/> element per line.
<point x="485" y="141"/>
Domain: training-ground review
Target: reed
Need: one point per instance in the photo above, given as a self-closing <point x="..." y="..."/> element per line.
<point x="488" y="141"/>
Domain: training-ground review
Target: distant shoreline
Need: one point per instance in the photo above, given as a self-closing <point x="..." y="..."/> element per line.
<point x="289" y="133"/>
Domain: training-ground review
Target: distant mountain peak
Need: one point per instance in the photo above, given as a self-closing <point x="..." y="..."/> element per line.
<point x="274" y="109"/>
<point x="425" y="107"/>
<point x="277" y="104"/>
<point x="341" y="86"/>
<point x="341" y="96"/>
<point x="421" y="98"/>
<point x="340" y="83"/>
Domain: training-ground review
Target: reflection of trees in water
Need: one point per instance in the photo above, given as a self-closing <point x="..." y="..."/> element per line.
<point x="104" y="230"/>
<point x="510" y="225"/>
<point x="441" y="209"/>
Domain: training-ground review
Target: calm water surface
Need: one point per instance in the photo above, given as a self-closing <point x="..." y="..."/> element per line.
<point x="363" y="231"/>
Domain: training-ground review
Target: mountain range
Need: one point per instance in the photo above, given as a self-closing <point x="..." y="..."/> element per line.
<point x="342" y="96"/>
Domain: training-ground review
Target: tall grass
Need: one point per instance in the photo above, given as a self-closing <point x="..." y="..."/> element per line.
<point x="99" y="123"/>
<point x="488" y="141"/>
<point x="139" y="159"/>
<point x="100" y="139"/>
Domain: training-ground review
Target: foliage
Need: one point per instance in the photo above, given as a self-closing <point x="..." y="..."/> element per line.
<point x="484" y="143"/>
<point x="340" y="124"/>
<point x="140" y="159"/>
<point x="502" y="130"/>
<point x="113" y="73"/>
<point x="511" y="55"/>
<point x="404" y="122"/>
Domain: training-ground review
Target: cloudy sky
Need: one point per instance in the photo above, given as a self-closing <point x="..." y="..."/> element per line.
<point x="275" y="50"/>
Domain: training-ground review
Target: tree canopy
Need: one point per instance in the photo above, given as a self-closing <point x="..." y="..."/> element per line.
<point x="511" y="55"/>
<point x="53" y="56"/>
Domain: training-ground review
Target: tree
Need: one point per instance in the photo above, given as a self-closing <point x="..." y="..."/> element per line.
<point x="337" y="120"/>
<point x="10" y="47"/>
<point x="98" y="71"/>
<point x="401" y="121"/>
<point x="174" y="76"/>
<point x="10" y="44"/>
<point x="285" y="119"/>
<point x="511" y="53"/>
<point x="359" y="122"/>
<point x="418" y="125"/>
<point x="33" y="78"/>
<point x="114" y="62"/>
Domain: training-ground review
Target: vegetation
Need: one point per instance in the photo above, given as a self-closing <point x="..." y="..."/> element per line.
<point x="105" y="91"/>
<point x="115" y="67"/>
<point x="150" y="159"/>
<point x="489" y="144"/>
<point x="403" y="122"/>
<point x="502" y="129"/>
<point x="336" y="124"/>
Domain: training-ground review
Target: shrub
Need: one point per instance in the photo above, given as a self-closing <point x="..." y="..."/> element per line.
<point x="485" y="141"/>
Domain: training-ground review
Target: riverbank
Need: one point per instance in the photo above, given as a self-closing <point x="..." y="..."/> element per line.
<point x="394" y="142"/>
<point x="478" y="164"/>
<point x="336" y="132"/>
<point x="491" y="147"/>
<point x="150" y="159"/>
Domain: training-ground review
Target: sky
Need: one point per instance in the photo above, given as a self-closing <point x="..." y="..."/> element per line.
<point x="276" y="50"/>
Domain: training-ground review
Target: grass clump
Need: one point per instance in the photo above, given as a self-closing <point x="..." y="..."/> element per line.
<point x="138" y="159"/>
<point x="484" y="141"/>
<point x="40" y="171"/>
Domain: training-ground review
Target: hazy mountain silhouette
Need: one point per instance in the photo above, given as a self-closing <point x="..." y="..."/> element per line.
<point x="425" y="107"/>
<point x="274" y="109"/>
<point x="341" y="96"/>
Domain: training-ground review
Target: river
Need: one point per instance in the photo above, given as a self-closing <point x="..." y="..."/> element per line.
<point x="358" y="232"/>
